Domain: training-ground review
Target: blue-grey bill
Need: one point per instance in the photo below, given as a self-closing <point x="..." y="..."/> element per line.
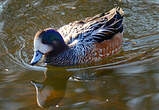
<point x="36" y="58"/>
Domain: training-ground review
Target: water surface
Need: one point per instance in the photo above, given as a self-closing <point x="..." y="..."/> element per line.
<point x="126" y="81"/>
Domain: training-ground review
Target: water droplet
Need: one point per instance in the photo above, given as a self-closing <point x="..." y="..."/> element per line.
<point x="57" y="106"/>
<point x="73" y="8"/>
<point x="107" y="100"/>
<point x="6" y="69"/>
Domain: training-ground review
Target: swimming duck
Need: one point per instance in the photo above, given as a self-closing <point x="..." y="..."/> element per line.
<point x="81" y="42"/>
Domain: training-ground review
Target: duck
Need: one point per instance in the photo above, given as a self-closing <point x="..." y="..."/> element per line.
<point x="81" y="42"/>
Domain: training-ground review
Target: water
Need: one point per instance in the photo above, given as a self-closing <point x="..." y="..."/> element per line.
<point x="126" y="81"/>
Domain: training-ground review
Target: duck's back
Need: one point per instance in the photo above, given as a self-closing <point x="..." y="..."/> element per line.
<point x="94" y="29"/>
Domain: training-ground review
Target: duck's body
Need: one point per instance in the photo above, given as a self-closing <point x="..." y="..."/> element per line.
<point x="86" y="41"/>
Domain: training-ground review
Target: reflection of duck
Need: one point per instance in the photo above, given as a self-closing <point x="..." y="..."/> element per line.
<point x="81" y="42"/>
<point x="52" y="90"/>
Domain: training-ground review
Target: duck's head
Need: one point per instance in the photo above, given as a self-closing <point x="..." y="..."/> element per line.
<point x="47" y="41"/>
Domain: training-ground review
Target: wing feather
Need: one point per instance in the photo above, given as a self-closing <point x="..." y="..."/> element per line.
<point x="95" y="29"/>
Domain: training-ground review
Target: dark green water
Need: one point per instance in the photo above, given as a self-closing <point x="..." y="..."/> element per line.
<point x="126" y="81"/>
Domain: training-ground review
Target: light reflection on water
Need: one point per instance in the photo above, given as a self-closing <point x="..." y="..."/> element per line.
<point x="127" y="81"/>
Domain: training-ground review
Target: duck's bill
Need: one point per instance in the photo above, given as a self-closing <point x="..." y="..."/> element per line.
<point x="36" y="58"/>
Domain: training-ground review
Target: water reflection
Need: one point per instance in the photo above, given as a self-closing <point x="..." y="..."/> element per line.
<point x="96" y="89"/>
<point x="52" y="90"/>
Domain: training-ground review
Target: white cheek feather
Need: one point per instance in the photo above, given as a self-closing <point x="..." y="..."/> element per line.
<point x="38" y="45"/>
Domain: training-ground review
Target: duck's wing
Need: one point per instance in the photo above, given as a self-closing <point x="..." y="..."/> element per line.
<point x="94" y="29"/>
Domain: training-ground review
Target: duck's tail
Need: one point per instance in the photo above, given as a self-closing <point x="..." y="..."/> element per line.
<point x="112" y="26"/>
<point x="115" y="19"/>
<point x="115" y="11"/>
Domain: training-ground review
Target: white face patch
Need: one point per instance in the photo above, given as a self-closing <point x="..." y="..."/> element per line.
<point x="38" y="45"/>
